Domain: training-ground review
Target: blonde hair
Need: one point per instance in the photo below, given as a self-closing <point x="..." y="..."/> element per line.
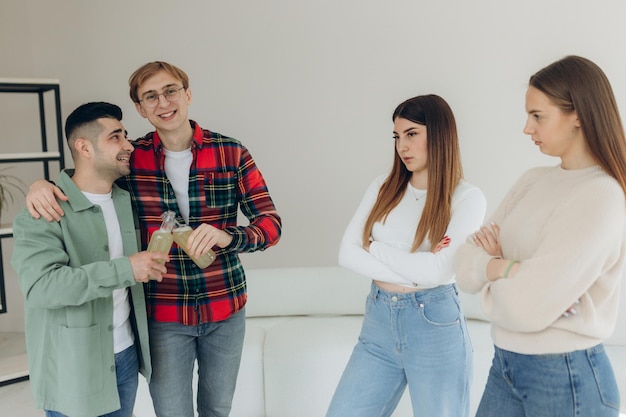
<point x="148" y="70"/>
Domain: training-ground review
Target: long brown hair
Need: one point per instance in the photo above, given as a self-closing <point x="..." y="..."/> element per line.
<point x="444" y="170"/>
<point x="576" y="84"/>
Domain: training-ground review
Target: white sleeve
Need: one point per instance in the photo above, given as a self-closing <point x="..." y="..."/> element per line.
<point x="351" y="252"/>
<point x="427" y="269"/>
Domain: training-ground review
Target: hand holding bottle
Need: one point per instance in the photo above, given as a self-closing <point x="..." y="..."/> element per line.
<point x="205" y="237"/>
<point x="148" y="265"/>
<point x="203" y="257"/>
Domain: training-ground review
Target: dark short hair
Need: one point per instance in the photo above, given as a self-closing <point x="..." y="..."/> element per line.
<point x="88" y="113"/>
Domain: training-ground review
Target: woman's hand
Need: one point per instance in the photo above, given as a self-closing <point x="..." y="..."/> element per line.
<point x="443" y="243"/>
<point x="572" y="310"/>
<point x="488" y="239"/>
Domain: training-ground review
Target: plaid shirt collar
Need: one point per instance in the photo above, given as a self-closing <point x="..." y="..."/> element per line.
<point x="197" y="139"/>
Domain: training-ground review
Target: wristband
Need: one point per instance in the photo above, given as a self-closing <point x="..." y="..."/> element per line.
<point x="508" y="268"/>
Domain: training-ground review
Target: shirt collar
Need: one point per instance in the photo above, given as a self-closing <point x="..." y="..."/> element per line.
<point x="198" y="136"/>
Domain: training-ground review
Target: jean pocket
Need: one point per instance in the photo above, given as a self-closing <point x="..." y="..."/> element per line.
<point x="604" y="376"/>
<point x="441" y="312"/>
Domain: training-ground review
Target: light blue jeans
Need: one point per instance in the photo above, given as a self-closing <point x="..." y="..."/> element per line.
<point x="579" y="383"/>
<point x="175" y="347"/>
<point x="419" y="339"/>
<point x="127" y="374"/>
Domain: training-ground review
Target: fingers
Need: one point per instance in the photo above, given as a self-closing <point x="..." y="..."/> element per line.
<point x="41" y="201"/>
<point x="203" y="238"/>
<point x="487" y="238"/>
<point x="33" y="211"/>
<point x="572" y="310"/>
<point x="59" y="194"/>
<point x="48" y="211"/>
<point x="444" y="243"/>
<point x="148" y="266"/>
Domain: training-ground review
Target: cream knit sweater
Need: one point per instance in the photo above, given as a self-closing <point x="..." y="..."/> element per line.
<point x="567" y="229"/>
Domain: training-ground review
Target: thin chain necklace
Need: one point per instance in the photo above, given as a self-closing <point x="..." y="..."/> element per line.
<point x="417" y="198"/>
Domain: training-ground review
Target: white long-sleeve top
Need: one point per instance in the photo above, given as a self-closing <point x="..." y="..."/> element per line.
<point x="389" y="258"/>
<point x="566" y="227"/>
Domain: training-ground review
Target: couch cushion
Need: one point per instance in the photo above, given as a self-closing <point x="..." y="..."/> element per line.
<point x="472" y="307"/>
<point x="305" y="291"/>
<point x="304" y="360"/>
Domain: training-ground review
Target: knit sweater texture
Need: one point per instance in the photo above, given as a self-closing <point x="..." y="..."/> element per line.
<point x="566" y="228"/>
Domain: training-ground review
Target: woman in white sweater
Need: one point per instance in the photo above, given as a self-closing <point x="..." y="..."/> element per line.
<point x="404" y="236"/>
<point x="549" y="264"/>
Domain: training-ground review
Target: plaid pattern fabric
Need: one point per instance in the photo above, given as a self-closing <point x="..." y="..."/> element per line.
<point x="223" y="177"/>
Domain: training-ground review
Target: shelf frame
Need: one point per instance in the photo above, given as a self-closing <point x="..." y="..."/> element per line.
<point x="40" y="87"/>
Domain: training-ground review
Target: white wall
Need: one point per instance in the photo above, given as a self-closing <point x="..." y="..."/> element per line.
<point x="310" y="86"/>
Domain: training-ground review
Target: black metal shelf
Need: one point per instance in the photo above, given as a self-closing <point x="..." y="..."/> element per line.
<point x="39" y="87"/>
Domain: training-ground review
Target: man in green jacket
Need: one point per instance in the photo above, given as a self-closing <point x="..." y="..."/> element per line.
<point x="86" y="326"/>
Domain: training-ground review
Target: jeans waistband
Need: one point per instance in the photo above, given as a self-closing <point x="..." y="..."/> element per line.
<point x="431" y="294"/>
<point x="599" y="348"/>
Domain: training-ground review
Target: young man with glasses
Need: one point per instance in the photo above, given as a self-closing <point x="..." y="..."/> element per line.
<point x="204" y="177"/>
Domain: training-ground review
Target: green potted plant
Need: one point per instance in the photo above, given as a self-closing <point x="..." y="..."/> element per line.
<point x="9" y="185"/>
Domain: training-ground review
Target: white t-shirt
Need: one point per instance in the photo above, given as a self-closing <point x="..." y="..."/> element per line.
<point x="177" y="166"/>
<point x="389" y="258"/>
<point x="122" y="332"/>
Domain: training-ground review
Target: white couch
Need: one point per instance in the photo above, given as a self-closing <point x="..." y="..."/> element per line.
<point x="302" y="324"/>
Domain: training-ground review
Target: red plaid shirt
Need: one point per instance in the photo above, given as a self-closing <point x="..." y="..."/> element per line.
<point x="222" y="179"/>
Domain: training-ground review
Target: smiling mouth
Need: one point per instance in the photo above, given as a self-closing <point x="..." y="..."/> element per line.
<point x="166" y="115"/>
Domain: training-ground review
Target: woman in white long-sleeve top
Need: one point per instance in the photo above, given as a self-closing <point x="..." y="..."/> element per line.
<point x="404" y="236"/>
<point x="550" y="262"/>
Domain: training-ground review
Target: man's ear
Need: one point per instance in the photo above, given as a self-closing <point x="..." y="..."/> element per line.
<point x="83" y="147"/>
<point x="140" y="110"/>
<point x="188" y="94"/>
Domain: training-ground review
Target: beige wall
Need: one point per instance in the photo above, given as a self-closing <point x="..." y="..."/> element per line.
<point x="309" y="87"/>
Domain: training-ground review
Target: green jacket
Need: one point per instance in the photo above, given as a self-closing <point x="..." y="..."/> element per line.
<point x="68" y="280"/>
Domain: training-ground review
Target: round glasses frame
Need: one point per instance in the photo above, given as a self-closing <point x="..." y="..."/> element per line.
<point x="152" y="99"/>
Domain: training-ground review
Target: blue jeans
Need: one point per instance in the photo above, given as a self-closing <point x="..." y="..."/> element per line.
<point x="579" y="383"/>
<point x="126" y="372"/>
<point x="175" y="347"/>
<point x="419" y="339"/>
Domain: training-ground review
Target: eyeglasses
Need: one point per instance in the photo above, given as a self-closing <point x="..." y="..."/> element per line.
<point x="170" y="94"/>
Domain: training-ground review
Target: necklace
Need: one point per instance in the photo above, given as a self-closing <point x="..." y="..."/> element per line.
<point x="417" y="198"/>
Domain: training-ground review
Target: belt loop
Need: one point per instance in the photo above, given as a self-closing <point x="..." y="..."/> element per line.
<point x="374" y="292"/>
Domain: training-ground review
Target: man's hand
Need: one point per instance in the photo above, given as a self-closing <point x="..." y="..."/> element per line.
<point x="204" y="237"/>
<point x="148" y="265"/>
<point x="41" y="200"/>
